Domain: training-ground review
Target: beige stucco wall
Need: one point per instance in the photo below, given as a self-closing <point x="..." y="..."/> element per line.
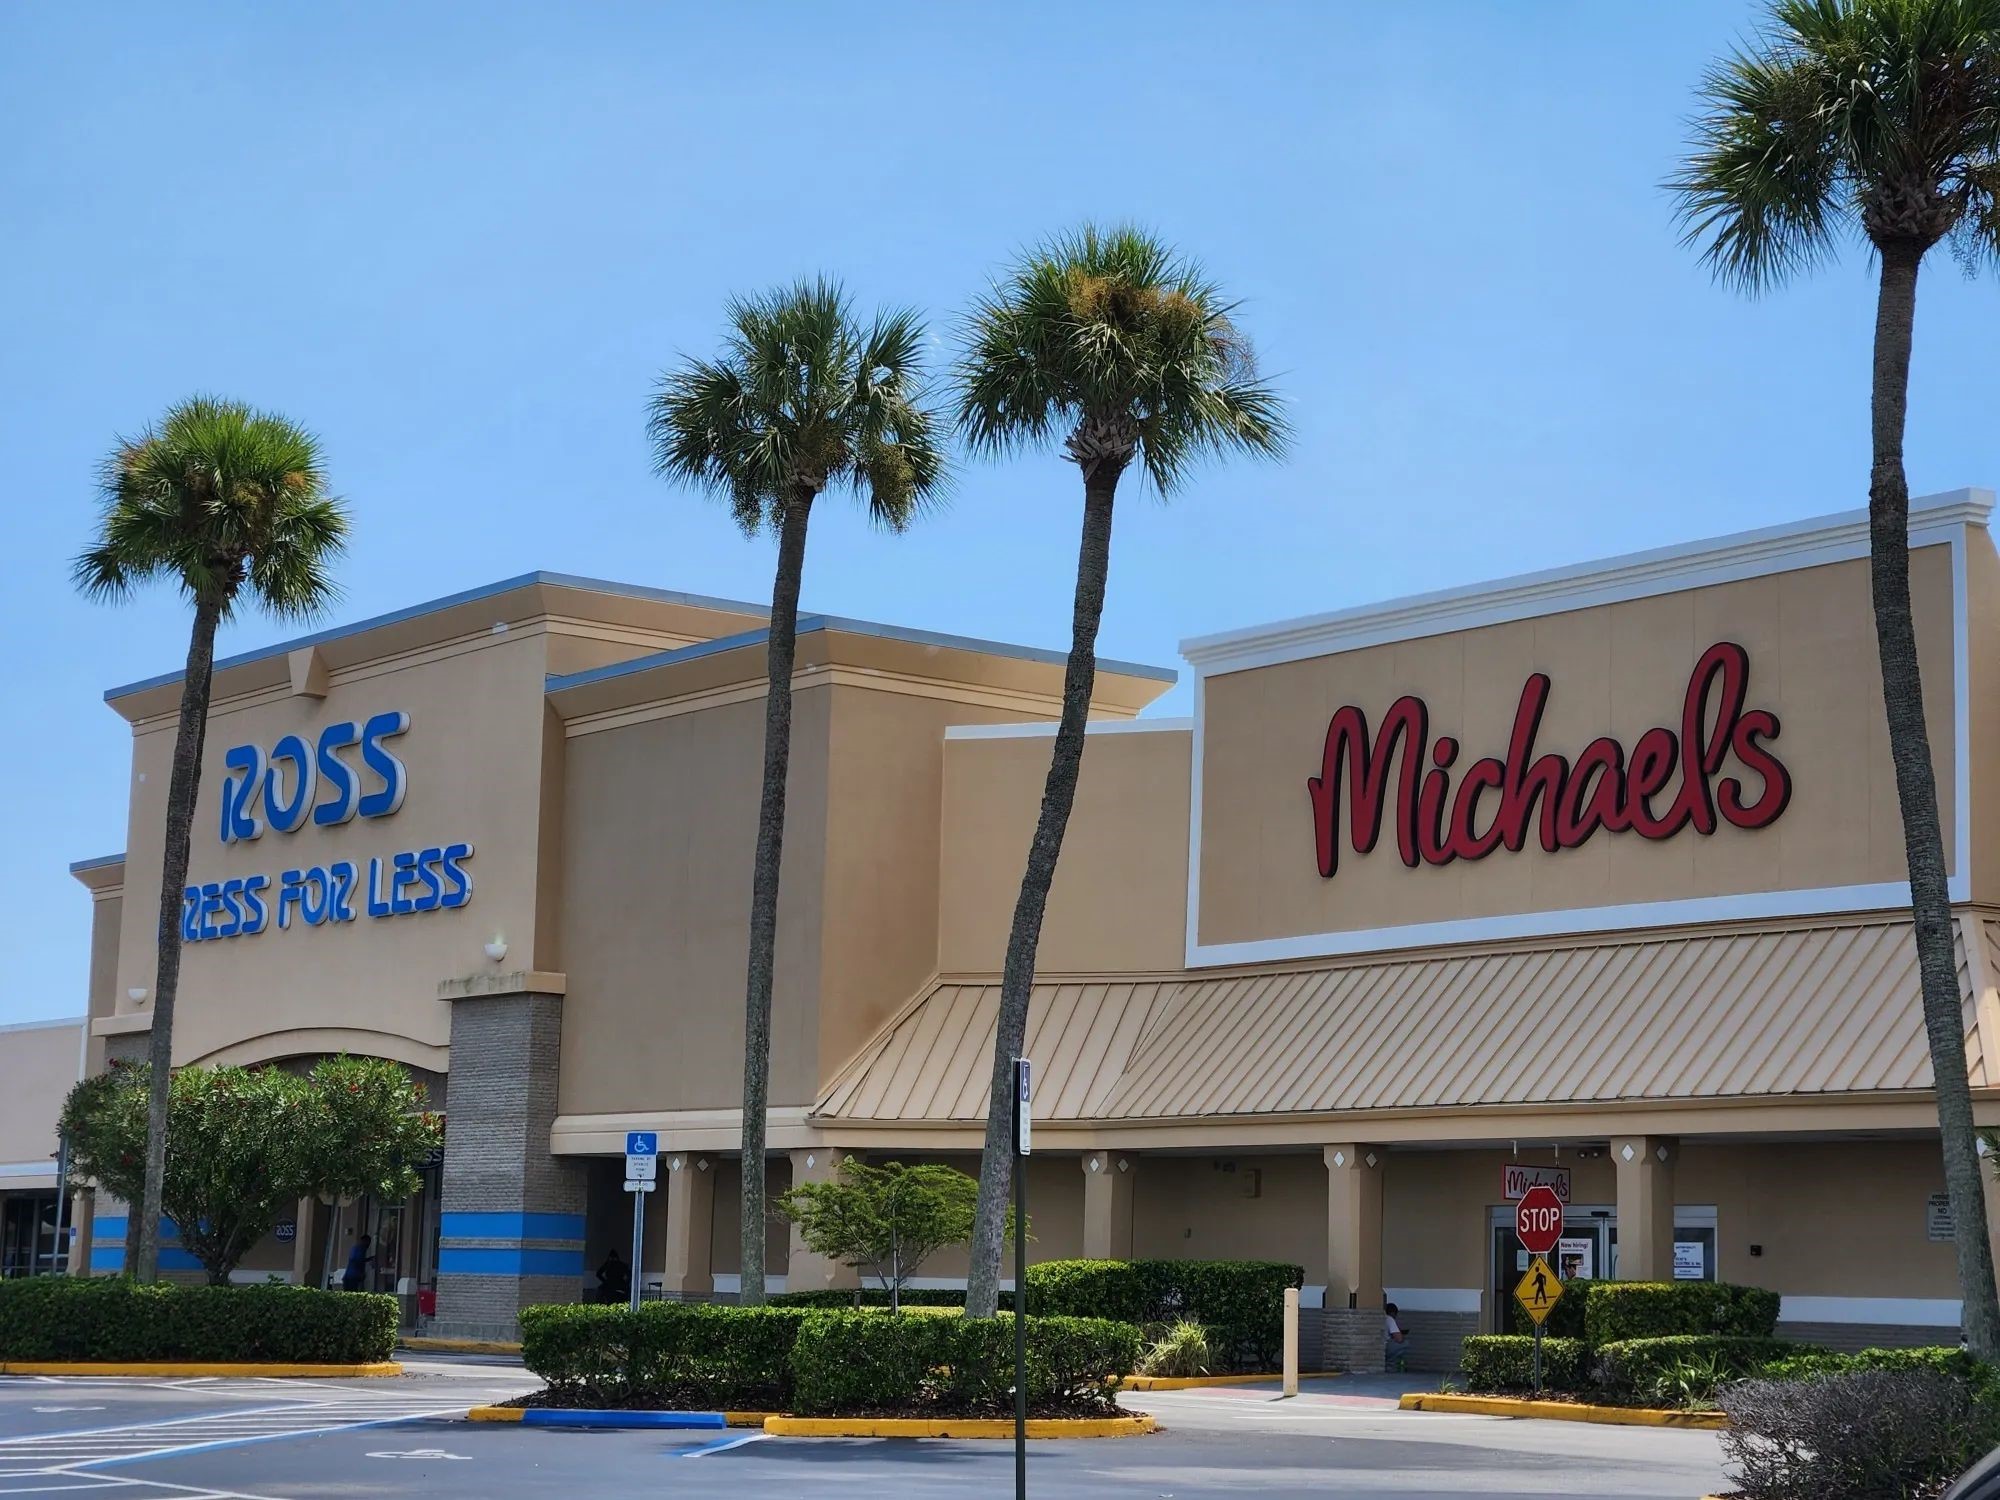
<point x="659" y="835"/>
<point x="1119" y="899"/>
<point x="38" y="1062"/>
<point x="1982" y="593"/>
<point x="473" y="753"/>
<point x="1617" y="669"/>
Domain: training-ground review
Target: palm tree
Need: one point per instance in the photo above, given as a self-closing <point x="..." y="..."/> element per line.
<point x="801" y="398"/>
<point x="1109" y="341"/>
<point x="1881" y="119"/>
<point x="227" y="503"/>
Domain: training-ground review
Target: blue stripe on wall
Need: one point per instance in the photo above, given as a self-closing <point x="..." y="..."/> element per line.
<point x="511" y="1226"/>
<point x="493" y="1262"/>
<point x="112" y="1258"/>
<point x="114" y="1227"/>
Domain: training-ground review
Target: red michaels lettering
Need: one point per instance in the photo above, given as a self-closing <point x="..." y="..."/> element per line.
<point x="1566" y="801"/>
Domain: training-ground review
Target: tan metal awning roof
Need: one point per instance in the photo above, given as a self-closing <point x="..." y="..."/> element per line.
<point x="1815" y="1009"/>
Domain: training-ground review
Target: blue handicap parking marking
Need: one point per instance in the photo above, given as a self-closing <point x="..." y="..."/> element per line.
<point x="642" y="1143"/>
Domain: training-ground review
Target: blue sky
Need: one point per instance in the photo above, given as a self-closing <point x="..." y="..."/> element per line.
<point x="461" y="241"/>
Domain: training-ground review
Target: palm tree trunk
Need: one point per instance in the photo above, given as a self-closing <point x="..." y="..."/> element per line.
<point x="1916" y="793"/>
<point x="782" y="643"/>
<point x="182" y="788"/>
<point x="1017" y="980"/>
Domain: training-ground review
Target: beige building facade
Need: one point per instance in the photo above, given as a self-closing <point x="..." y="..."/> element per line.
<point x="1590" y="877"/>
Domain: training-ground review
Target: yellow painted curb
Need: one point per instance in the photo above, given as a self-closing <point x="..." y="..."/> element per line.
<point x="1197" y="1382"/>
<point x="969" y="1427"/>
<point x="495" y="1414"/>
<point x="747" y="1418"/>
<point x="1563" y="1411"/>
<point x="300" y="1372"/>
<point x="458" y="1346"/>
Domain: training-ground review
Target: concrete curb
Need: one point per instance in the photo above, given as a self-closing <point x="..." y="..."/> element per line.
<point x="422" y="1345"/>
<point x="175" y="1367"/>
<point x="967" y="1427"/>
<point x="1564" y="1411"/>
<point x="579" y="1416"/>
<point x="1198" y="1382"/>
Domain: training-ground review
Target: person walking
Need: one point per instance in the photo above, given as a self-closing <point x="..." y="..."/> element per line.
<point x="356" y="1273"/>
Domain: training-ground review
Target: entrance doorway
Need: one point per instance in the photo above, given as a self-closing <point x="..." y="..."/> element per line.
<point x="1588" y="1250"/>
<point x="28" y="1235"/>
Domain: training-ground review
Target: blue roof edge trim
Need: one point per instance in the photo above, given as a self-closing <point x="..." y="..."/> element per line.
<point x="77" y="867"/>
<point x="447" y="601"/>
<point x="808" y="624"/>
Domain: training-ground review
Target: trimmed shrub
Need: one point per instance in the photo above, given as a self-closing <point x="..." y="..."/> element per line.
<point x="666" y="1354"/>
<point x="1181" y="1350"/>
<point x="1615" y="1311"/>
<point x="1505" y="1362"/>
<point x="875" y="1296"/>
<point x="1565" y="1320"/>
<point x="1114" y="1289"/>
<point x="866" y="1363"/>
<point x="1957" y="1363"/>
<point x="117" y="1319"/>
<point x="1683" y="1369"/>
<point x="1863" y="1435"/>
<point x="1240" y="1302"/>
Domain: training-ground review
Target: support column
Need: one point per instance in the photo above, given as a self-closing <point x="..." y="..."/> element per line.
<point x="690" y="1272"/>
<point x="511" y="1213"/>
<point x="1645" y="1165"/>
<point x="305" y="1266"/>
<point x="805" y="1271"/>
<point x="1992" y="1197"/>
<point x="1352" y="1321"/>
<point x="1107" y="1204"/>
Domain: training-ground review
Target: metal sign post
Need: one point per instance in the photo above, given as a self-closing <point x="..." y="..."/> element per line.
<point x="1023" y="1125"/>
<point x="642" y="1170"/>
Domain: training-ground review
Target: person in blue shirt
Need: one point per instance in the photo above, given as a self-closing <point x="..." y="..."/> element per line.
<point x="357" y="1266"/>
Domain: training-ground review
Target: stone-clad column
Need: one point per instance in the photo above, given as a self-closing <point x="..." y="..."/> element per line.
<point x="1352" y="1321"/>
<point x="511" y="1218"/>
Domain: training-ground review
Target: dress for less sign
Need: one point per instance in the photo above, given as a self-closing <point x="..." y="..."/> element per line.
<point x="349" y="772"/>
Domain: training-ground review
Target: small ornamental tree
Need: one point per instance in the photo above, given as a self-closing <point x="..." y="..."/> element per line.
<point x="248" y="1143"/>
<point x="885" y="1221"/>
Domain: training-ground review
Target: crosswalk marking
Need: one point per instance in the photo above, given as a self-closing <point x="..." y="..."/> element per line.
<point x="66" y="1453"/>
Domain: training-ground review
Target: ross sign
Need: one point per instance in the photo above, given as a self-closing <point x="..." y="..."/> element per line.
<point x="1939" y="1225"/>
<point x="1520" y="1178"/>
<point x="1023" y="1100"/>
<point x="1539" y="1291"/>
<point x="1690" y="1260"/>
<point x="1562" y="801"/>
<point x="285" y="1231"/>
<point x="1538" y="1219"/>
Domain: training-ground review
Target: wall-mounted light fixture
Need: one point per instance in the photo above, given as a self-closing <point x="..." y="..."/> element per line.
<point x="497" y="949"/>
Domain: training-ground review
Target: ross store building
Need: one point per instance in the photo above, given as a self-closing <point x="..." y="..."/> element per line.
<point x="1590" y="876"/>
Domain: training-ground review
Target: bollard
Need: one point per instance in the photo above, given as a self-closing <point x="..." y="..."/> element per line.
<point x="1291" y="1341"/>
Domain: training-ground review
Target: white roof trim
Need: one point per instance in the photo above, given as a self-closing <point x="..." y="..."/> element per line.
<point x="1045" y="729"/>
<point x="75" y="1021"/>
<point x="1746" y="554"/>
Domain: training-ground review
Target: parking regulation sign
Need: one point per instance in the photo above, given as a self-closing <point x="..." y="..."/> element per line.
<point x="642" y="1155"/>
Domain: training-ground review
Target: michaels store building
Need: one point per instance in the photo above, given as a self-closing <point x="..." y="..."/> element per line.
<point x="1590" y="877"/>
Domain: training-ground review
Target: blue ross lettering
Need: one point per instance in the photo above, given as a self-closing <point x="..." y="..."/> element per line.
<point x="455" y="856"/>
<point x="211" y="903"/>
<point x="427" y="876"/>
<point x="400" y="904"/>
<point x="342" y="873"/>
<point x="239" y="793"/>
<point x="257" y="914"/>
<point x="289" y="813"/>
<point x="395" y="780"/>
<point x="313" y="904"/>
<point x="337" y="774"/>
<point x="291" y="890"/>
<point x="378" y="902"/>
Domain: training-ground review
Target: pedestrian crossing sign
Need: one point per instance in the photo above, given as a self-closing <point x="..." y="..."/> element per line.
<point x="1539" y="1291"/>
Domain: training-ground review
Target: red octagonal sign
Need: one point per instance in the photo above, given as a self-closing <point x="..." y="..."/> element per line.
<point x="1538" y="1219"/>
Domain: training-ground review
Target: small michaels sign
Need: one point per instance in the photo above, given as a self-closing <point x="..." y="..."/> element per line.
<point x="295" y="783"/>
<point x="1670" y="780"/>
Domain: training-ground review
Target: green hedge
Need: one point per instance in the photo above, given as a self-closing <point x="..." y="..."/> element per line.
<point x="1615" y="1311"/>
<point x="1499" y="1362"/>
<point x="1682" y="1369"/>
<point x="1565" y="1320"/>
<point x="115" y="1318"/>
<point x="856" y="1363"/>
<point x="1115" y="1289"/>
<point x="875" y="1296"/>
<point x="1960" y="1363"/>
<point x="667" y="1354"/>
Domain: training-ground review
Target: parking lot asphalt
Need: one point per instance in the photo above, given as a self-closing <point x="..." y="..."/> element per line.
<point x="385" y="1439"/>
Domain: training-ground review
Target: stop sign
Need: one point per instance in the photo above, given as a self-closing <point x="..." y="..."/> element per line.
<point x="1538" y="1219"/>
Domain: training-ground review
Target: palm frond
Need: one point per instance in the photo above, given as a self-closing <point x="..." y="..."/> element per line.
<point x="1111" y="326"/>
<point x="803" y="398"/>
